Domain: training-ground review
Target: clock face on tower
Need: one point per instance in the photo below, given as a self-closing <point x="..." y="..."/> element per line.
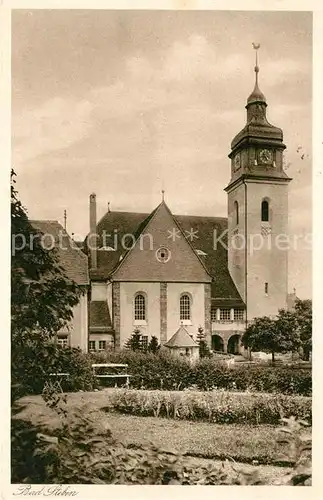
<point x="237" y="161"/>
<point x="265" y="156"/>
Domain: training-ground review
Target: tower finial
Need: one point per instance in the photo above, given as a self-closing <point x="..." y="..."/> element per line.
<point x="256" y="95"/>
<point x="163" y="194"/>
<point x="256" y="46"/>
<point x="65" y="219"/>
<point x="109" y="207"/>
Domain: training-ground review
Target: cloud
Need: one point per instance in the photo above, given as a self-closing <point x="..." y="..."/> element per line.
<point x="56" y="124"/>
<point x="284" y="70"/>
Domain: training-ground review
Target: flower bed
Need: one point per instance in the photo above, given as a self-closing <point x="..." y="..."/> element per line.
<point x="214" y="406"/>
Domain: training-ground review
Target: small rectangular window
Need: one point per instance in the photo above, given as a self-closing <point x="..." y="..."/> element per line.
<point x="225" y="315"/>
<point x="238" y="315"/>
<point x="102" y="345"/>
<point x="62" y="340"/>
<point x="214" y="314"/>
<point x="266" y="288"/>
<point x="92" y="345"/>
<point x="144" y="342"/>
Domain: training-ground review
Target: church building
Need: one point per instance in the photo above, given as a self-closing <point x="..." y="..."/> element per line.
<point x="167" y="275"/>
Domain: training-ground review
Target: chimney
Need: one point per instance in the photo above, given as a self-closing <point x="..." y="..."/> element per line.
<point x="92" y="236"/>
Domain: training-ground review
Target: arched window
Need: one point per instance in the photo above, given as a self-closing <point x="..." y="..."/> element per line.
<point x="140" y="307"/>
<point x="264" y="211"/>
<point x="185" y="307"/>
<point x="236" y="212"/>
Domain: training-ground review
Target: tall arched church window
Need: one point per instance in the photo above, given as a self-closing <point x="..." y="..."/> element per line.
<point x="140" y="307"/>
<point x="236" y="212"/>
<point x="264" y="211"/>
<point x="185" y="307"/>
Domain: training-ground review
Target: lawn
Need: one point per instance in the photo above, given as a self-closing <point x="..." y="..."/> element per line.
<point x="240" y="442"/>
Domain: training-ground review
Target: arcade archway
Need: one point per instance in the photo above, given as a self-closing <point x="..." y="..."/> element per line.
<point x="217" y="343"/>
<point x="234" y="344"/>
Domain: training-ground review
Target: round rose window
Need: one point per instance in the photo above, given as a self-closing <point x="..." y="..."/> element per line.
<point x="163" y="254"/>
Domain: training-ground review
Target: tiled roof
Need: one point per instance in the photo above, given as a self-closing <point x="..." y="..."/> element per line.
<point x="181" y="339"/>
<point x="99" y="316"/>
<point x="72" y="259"/>
<point x="208" y="229"/>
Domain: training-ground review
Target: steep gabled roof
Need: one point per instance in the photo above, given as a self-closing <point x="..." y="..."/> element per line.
<point x="71" y="258"/>
<point x="99" y="316"/>
<point x="163" y="213"/>
<point x="181" y="338"/>
<point x="211" y="240"/>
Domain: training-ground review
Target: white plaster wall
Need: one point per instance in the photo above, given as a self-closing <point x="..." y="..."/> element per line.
<point x="78" y="327"/>
<point x="99" y="291"/>
<point x="127" y="293"/>
<point x="269" y="264"/>
<point x="225" y="327"/>
<point x="109" y="297"/>
<point x="174" y="291"/>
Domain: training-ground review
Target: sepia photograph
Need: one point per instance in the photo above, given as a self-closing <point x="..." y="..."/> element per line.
<point x="161" y="248"/>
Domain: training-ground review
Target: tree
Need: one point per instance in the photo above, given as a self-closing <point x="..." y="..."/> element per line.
<point x="134" y="343"/>
<point x="153" y="345"/>
<point x="204" y="350"/>
<point x="42" y="296"/>
<point x="278" y="335"/>
<point x="303" y="314"/>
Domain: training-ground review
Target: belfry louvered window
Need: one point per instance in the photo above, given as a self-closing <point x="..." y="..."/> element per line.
<point x="140" y="307"/>
<point x="236" y="212"/>
<point x="264" y="211"/>
<point x="185" y="307"/>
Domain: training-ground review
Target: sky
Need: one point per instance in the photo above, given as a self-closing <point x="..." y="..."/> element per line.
<point x="127" y="103"/>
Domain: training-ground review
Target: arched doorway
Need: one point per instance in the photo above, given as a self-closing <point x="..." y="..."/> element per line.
<point x="217" y="343"/>
<point x="234" y="344"/>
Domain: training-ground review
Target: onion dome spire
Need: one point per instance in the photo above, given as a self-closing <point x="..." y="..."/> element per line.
<point x="256" y="95"/>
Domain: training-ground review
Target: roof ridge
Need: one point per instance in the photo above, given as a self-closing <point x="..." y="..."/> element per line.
<point x="45" y="220"/>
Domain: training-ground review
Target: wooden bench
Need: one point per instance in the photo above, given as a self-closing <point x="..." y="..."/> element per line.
<point x="111" y="367"/>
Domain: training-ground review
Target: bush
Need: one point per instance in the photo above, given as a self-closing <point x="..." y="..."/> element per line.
<point x="37" y="362"/>
<point x="214" y="406"/>
<point x="163" y="371"/>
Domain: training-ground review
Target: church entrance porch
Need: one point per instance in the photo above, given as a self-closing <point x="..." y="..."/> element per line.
<point x="234" y="344"/>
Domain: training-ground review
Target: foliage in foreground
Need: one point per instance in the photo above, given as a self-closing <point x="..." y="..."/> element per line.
<point x="214" y="406"/>
<point x="42" y="298"/>
<point x="163" y="371"/>
<point x="81" y="452"/>
<point x="36" y="364"/>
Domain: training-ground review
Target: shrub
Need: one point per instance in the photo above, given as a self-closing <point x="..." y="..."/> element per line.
<point x="80" y="451"/>
<point x="214" y="406"/>
<point x="164" y="371"/>
<point x="36" y="364"/>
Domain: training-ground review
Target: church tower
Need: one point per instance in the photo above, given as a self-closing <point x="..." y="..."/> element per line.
<point x="258" y="211"/>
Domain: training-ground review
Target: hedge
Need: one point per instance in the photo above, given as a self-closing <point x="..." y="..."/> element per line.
<point x="36" y="364"/>
<point x="220" y="407"/>
<point x="163" y="371"/>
